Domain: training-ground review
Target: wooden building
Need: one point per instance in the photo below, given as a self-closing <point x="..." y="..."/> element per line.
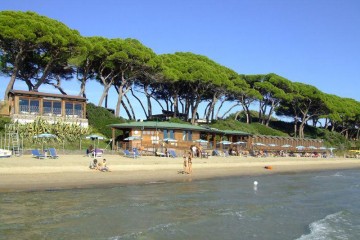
<point x="150" y="134"/>
<point x="26" y="106"/>
<point x="154" y="135"/>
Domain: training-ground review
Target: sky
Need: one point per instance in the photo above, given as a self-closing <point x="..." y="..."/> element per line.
<point x="310" y="41"/>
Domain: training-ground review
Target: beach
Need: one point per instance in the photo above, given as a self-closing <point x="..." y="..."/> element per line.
<point x="26" y="173"/>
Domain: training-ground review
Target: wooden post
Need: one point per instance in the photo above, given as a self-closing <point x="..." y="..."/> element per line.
<point x="113" y="139"/>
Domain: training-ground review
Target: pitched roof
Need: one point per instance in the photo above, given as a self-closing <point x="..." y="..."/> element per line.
<point x="170" y="125"/>
<point x="42" y="94"/>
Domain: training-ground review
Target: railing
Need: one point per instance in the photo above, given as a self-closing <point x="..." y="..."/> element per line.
<point x="48" y="111"/>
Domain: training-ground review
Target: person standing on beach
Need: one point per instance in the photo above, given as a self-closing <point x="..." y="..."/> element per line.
<point x="189" y="163"/>
<point x="185" y="163"/>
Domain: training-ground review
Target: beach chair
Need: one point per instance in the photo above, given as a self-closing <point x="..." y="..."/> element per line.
<point x="136" y="152"/>
<point x="172" y="153"/>
<point x="52" y="153"/>
<point x="37" y="154"/>
<point x="130" y="154"/>
<point x="98" y="152"/>
<point x="216" y="153"/>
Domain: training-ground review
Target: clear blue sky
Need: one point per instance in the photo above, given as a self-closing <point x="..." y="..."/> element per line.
<point x="311" y="41"/>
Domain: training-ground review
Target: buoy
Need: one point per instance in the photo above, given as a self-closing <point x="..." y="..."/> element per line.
<point x="255" y="183"/>
<point x="268" y="167"/>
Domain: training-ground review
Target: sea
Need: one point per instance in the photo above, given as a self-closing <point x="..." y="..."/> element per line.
<point x="313" y="205"/>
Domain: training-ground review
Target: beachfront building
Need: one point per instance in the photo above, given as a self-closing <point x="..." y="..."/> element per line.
<point x="156" y="135"/>
<point x="26" y="106"/>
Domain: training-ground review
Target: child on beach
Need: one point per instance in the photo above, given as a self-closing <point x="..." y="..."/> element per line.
<point x="102" y="166"/>
<point x="93" y="164"/>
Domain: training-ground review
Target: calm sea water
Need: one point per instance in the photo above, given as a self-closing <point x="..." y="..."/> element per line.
<point x="323" y="205"/>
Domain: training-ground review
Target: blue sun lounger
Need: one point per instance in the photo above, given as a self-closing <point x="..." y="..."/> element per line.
<point x="37" y="154"/>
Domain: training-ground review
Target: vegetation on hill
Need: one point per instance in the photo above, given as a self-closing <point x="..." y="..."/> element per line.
<point x="99" y="119"/>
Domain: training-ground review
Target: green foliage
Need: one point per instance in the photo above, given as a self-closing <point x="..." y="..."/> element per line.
<point x="254" y="128"/>
<point x="3" y="121"/>
<point x="99" y="118"/>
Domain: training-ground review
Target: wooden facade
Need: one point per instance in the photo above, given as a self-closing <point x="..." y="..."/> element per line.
<point x="153" y="135"/>
<point x="26" y="106"/>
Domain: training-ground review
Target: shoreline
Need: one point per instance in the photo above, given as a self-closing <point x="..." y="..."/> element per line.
<point x="72" y="172"/>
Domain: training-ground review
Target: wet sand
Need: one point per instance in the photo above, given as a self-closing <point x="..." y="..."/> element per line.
<point x="71" y="171"/>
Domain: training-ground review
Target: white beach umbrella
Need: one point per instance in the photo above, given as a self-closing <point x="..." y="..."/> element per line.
<point x="299" y="147"/>
<point x="169" y="140"/>
<point x="272" y="145"/>
<point x="286" y="146"/>
<point x="240" y="143"/>
<point x="225" y="142"/>
<point x="312" y="147"/>
<point x="259" y="144"/>
<point x="131" y="138"/>
<point x="95" y="137"/>
<point x="201" y="141"/>
<point x="44" y="136"/>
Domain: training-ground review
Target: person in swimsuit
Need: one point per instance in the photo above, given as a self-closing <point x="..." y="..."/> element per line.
<point x="185" y="164"/>
<point x="189" y="163"/>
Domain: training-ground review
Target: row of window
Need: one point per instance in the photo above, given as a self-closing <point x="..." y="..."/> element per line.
<point x="28" y="105"/>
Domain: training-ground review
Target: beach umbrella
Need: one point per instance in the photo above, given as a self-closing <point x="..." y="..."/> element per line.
<point x="201" y="141"/>
<point x="331" y="149"/>
<point x="225" y="142"/>
<point x="312" y="147"/>
<point x="286" y="146"/>
<point x="44" y="136"/>
<point x="169" y="140"/>
<point x="131" y="138"/>
<point x="259" y="144"/>
<point x="95" y="137"/>
<point x="240" y="142"/>
<point x="272" y="145"/>
<point x="322" y="148"/>
<point x="299" y="147"/>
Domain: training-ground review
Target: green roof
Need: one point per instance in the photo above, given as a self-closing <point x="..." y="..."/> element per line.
<point x="170" y="125"/>
<point x="160" y="125"/>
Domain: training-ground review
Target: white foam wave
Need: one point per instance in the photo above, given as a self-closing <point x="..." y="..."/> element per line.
<point x="330" y="227"/>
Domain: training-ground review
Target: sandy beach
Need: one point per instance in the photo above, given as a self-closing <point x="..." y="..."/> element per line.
<point x="26" y="173"/>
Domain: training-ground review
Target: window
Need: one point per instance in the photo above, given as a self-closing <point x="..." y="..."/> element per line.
<point x="187" y="136"/>
<point x="28" y="105"/>
<point x="51" y="107"/>
<point x="73" y="109"/>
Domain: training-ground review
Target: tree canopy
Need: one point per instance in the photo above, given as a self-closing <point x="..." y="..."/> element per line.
<point x="38" y="50"/>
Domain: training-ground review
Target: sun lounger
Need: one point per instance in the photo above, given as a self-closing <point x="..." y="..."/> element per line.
<point x="172" y="153"/>
<point x="130" y="154"/>
<point x="37" y="154"/>
<point x="52" y="153"/>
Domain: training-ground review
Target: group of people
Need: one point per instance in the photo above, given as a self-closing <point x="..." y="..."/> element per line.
<point x="101" y="166"/>
<point x="187" y="157"/>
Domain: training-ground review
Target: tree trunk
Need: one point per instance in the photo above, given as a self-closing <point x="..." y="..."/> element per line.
<point x="104" y="94"/>
<point x="141" y="104"/>
<point x="10" y="85"/>
<point x="126" y="110"/>
<point x="130" y="106"/>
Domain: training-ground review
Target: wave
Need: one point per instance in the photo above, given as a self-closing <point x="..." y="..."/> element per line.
<point x="333" y="226"/>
